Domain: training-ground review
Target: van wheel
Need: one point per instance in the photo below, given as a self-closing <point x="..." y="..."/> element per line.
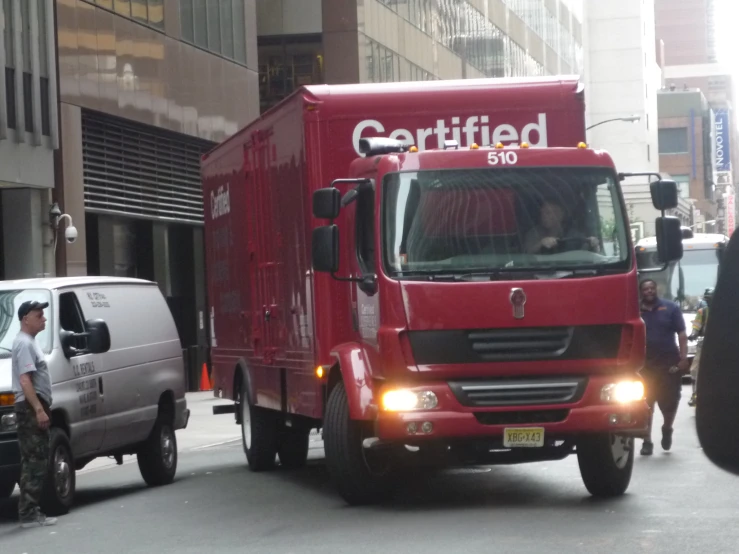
<point x="361" y="476"/>
<point x="293" y="449"/>
<point x="157" y="457"/>
<point x="606" y="462"/>
<point x="7" y="486"/>
<point x="58" y="491"/>
<point x="258" y="434"/>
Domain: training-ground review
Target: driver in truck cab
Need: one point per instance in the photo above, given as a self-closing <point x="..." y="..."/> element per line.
<point x="552" y="234"/>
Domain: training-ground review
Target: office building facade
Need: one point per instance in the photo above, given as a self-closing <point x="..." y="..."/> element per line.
<point x="145" y="88"/>
<point x="339" y="41"/>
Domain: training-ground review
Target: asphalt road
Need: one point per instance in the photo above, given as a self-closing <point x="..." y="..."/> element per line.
<point x="677" y="502"/>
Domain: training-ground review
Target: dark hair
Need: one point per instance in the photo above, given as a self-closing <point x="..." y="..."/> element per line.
<point x="645" y="281"/>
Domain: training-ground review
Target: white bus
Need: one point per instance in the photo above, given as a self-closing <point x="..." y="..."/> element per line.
<point x="685" y="281"/>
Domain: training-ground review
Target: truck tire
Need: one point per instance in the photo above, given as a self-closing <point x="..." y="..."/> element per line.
<point x="157" y="457"/>
<point x="346" y="459"/>
<point x="293" y="449"/>
<point x="58" y="492"/>
<point x="258" y="434"/>
<point x="606" y="462"/>
<point x="7" y="486"/>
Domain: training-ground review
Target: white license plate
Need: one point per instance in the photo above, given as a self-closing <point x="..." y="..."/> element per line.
<point x="523" y="437"/>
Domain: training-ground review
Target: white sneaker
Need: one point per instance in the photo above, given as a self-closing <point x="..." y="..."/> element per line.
<point x="40" y="520"/>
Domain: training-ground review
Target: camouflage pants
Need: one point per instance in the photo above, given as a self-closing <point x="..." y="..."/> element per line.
<point x="34" y="447"/>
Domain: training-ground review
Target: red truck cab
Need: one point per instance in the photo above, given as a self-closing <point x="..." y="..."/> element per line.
<point x="475" y="341"/>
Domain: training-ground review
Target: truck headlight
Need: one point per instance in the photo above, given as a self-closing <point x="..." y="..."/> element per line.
<point x="623" y="392"/>
<point x="404" y="400"/>
<point x="8" y="423"/>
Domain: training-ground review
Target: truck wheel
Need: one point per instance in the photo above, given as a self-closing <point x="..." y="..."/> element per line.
<point x="58" y="492"/>
<point x="157" y="457"/>
<point x="258" y="434"/>
<point x="361" y="476"/>
<point x="293" y="449"/>
<point x="7" y="486"/>
<point x="606" y="462"/>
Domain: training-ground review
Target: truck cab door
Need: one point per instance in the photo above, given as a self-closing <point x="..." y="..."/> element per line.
<point x="365" y="298"/>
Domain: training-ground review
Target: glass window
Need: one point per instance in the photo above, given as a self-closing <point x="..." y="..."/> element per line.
<point x="673" y="141"/>
<point x="187" y="20"/>
<point x="9" y="32"/>
<point x="43" y="44"/>
<point x="139" y="11"/>
<point x="500" y="220"/>
<point x="201" y="23"/>
<point x="123" y="7"/>
<point x="239" y="27"/>
<point x="683" y="185"/>
<point x="26" y="34"/>
<point x="214" y="26"/>
<point x="10" y="301"/>
<point x="227" y="28"/>
<point x="156" y="13"/>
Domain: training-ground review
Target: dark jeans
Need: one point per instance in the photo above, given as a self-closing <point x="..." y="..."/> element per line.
<point x="34" y="447"/>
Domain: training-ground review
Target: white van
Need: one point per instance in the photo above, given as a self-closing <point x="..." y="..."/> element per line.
<point x="117" y="373"/>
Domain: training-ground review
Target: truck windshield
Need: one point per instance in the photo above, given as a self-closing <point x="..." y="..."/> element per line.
<point x="685" y="281"/>
<point x="498" y="220"/>
<point x="10" y="301"/>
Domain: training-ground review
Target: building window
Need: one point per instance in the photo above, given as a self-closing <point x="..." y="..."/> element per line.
<point x="218" y="26"/>
<point x="23" y="74"/>
<point x="146" y="12"/>
<point x="286" y="63"/>
<point x="683" y="185"/>
<point x="673" y="141"/>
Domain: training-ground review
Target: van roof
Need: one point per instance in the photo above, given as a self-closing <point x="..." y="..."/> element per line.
<point x="52" y="283"/>
<point x="699" y="239"/>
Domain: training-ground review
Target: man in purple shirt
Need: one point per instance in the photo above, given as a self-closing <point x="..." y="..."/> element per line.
<point x="665" y="361"/>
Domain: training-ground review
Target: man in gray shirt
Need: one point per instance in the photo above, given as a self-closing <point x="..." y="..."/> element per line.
<point x="32" y="388"/>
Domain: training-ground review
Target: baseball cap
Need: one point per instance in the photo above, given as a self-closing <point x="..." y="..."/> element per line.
<point x="30" y="305"/>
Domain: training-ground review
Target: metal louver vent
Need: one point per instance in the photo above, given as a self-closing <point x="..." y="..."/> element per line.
<point x="140" y="171"/>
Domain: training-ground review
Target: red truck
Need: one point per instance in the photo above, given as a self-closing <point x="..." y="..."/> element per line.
<point x="437" y="272"/>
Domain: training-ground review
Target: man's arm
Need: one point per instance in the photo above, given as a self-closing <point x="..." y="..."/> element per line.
<point x="26" y="366"/>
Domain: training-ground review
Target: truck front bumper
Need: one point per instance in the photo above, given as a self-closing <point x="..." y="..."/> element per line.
<point x="451" y="420"/>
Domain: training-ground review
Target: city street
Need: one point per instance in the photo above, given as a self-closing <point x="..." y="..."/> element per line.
<point x="216" y="504"/>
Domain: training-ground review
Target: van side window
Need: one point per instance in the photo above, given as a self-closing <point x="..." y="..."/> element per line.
<point x="366" y="230"/>
<point x="70" y="317"/>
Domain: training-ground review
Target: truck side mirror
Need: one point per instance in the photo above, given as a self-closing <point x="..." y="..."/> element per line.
<point x="669" y="239"/>
<point x="327" y="203"/>
<point x="664" y="194"/>
<point x="98" y="340"/>
<point x="325" y="249"/>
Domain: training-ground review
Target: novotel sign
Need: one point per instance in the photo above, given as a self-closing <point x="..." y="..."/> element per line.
<point x="723" y="152"/>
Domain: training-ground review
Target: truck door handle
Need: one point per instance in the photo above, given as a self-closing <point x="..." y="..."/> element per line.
<point x="100" y="385"/>
<point x="267" y="315"/>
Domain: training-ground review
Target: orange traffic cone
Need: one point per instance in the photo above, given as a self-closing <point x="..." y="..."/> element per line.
<point x="204" y="380"/>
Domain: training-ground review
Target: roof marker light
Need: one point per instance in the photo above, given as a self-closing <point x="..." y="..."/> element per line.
<point x="474" y="146"/>
<point x="582" y="146"/>
<point x="413" y="149"/>
<point x="499" y="145"/>
<point x="524" y="145"/>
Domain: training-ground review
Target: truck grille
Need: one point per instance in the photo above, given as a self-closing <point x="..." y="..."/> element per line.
<point x="458" y="346"/>
<point x="509" y="344"/>
<point x="528" y="392"/>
